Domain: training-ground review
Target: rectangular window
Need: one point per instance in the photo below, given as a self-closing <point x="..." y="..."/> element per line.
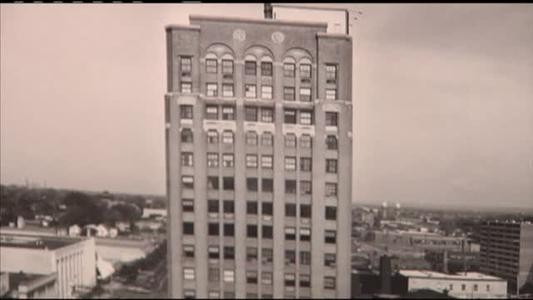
<point x="212" y="160"/>
<point x="187" y="182"/>
<point x="251" y="231"/>
<point x="331" y="142"/>
<point x="267" y="256"/>
<point x="306" y="141"/>
<point x="227" y="67"/>
<point x="251" y="254"/>
<point x="229" y="229"/>
<point x="227" y="90"/>
<point x="212" y="136"/>
<point x="213" y="229"/>
<point x="330" y="237"/>
<point x="290" y="257"/>
<point x="305" y="280"/>
<point x="251" y="138"/>
<point x="305" y="234"/>
<point x="214" y="294"/>
<point x="290" y="163"/>
<point x="251" y="161"/>
<point x="188" y="273"/>
<point x="228" y="113"/>
<point x="266" y="278"/>
<point x="266" y="68"/>
<point x="305" y="210"/>
<point x="227" y="137"/>
<point x="305" y="94"/>
<point x="228" y="160"/>
<point x="267" y="185"/>
<point x="290" y="210"/>
<point x="250" y="91"/>
<point x="289" y="116"/>
<point x="290" y="279"/>
<point x="290" y="233"/>
<point x="229" y="206"/>
<point x="186" y="135"/>
<point x="331" y="166"/>
<point x="186" y="87"/>
<point x="330" y="260"/>
<point x="185" y="65"/>
<point x="250" y="68"/>
<point x="288" y="93"/>
<point x="267" y="231"/>
<point x="331" y="189"/>
<point x="290" y="140"/>
<point x="266" y="92"/>
<point x="186" y="112"/>
<point x="331" y="213"/>
<point x="267" y="115"/>
<point x="212" y="206"/>
<point x="187" y="159"/>
<point x="229" y="252"/>
<point x="267" y="139"/>
<point x="305" y="71"/>
<point x="251" y="207"/>
<point x="188" y="228"/>
<point x="211" y="112"/>
<point x="211" y="66"/>
<point x="289" y="70"/>
<point x="267" y="208"/>
<point x="290" y="186"/>
<point x="228" y="183"/>
<point x="331" y="73"/>
<point x="331" y="118"/>
<point x="266" y="161"/>
<point x="251" y="184"/>
<point x="212" y="89"/>
<point x="329" y="282"/>
<point x="189" y="294"/>
<point x="305" y="258"/>
<point x="306" y="164"/>
<point x="229" y="276"/>
<point x="212" y="183"/>
<point x="187" y="205"/>
<point x="188" y="251"/>
<point x="250" y="114"/>
<point x="213" y="251"/>
<point x="213" y="274"/>
<point x="306" y="187"/>
<point x="331" y="94"/>
<point x="251" y="277"/>
<point x="306" y="117"/>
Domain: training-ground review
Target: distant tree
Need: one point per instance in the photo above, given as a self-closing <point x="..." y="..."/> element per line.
<point x="82" y="209"/>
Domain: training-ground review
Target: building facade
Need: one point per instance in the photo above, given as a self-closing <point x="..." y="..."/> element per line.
<point x="71" y="260"/>
<point x="259" y="159"/>
<point x="507" y="252"/>
<point x="469" y="285"/>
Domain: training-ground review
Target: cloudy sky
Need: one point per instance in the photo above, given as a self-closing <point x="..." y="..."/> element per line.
<point x="443" y="99"/>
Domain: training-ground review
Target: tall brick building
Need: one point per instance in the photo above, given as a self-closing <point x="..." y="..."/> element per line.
<point x="259" y="159"/>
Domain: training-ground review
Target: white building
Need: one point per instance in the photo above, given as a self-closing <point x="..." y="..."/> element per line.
<point x="73" y="259"/>
<point x="74" y="230"/>
<point x="469" y="285"/>
<point x="154" y="212"/>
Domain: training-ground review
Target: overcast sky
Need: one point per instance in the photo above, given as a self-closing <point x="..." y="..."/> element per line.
<point x="443" y="99"/>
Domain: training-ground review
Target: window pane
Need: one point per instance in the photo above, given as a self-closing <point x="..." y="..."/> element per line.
<point x="306" y="117"/>
<point x="305" y="94"/>
<point x="250" y="68"/>
<point x="331" y="94"/>
<point x="251" y="138"/>
<point x="186" y="87"/>
<point x="331" y="119"/>
<point x="288" y="70"/>
<point x="250" y="91"/>
<point x="289" y="116"/>
<point x="305" y="71"/>
<point x="211" y="112"/>
<point x="211" y="66"/>
<point x="227" y="90"/>
<point x="266" y="68"/>
<point x="250" y="114"/>
<point x="186" y="66"/>
<point x="212" y="89"/>
<point x="228" y="113"/>
<point x="266" y="92"/>
<point x="288" y="93"/>
<point x="290" y="140"/>
<point x="267" y="115"/>
<point x="227" y="67"/>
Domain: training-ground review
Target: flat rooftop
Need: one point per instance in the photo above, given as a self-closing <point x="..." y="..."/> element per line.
<point x="35" y="242"/>
<point x="458" y="276"/>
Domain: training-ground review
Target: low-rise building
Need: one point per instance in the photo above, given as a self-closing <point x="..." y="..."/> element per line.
<point x="72" y="259"/>
<point x="32" y="286"/>
<point x="418" y="240"/>
<point x="154" y="212"/>
<point x="470" y="285"/>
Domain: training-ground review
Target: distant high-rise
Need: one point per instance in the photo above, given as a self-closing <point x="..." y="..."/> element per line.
<point x="507" y="252"/>
<point x="259" y="159"/>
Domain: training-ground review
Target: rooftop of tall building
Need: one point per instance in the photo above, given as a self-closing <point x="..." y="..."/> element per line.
<point x="35" y="242"/>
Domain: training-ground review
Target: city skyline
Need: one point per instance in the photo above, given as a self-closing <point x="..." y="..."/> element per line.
<point x="96" y="122"/>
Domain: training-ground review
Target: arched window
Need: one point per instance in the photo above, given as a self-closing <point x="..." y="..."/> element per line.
<point x="212" y="136"/>
<point x="227" y="66"/>
<point x="266" y="66"/>
<point x="331" y="142"/>
<point x="305" y="69"/>
<point x="250" y="65"/>
<point x="267" y="139"/>
<point x="251" y="138"/>
<point x="186" y="135"/>
<point x="289" y="67"/>
<point x="211" y="63"/>
<point x="306" y="141"/>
